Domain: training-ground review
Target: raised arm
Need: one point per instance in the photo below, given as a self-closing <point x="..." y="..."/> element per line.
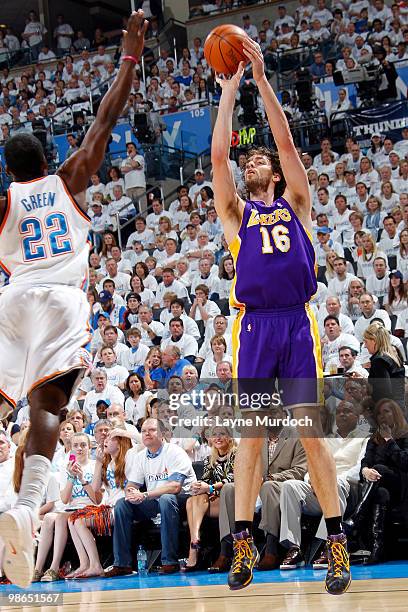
<point x="228" y="204"/>
<point x="297" y="185"/>
<point x="78" y="168"/>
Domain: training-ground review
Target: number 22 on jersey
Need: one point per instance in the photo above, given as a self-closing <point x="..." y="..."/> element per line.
<point x="42" y="238"/>
<point x="280" y="238"/>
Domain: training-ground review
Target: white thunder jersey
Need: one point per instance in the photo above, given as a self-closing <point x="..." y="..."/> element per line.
<point x="44" y="235"/>
<point x="44" y="311"/>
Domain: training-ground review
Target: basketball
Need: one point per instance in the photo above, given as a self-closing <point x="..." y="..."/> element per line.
<point x="223" y="48"/>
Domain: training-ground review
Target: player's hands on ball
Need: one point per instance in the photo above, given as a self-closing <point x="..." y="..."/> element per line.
<point x="133" y="37"/>
<point x="231" y="84"/>
<point x="254" y="54"/>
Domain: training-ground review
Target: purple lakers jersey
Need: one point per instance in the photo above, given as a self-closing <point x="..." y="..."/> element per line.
<point x="274" y="258"/>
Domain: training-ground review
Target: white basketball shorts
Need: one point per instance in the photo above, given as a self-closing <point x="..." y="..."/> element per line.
<point x="42" y="332"/>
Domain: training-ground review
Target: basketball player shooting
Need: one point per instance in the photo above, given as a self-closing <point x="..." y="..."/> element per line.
<point x="44" y="311"/>
<point x="275" y="334"/>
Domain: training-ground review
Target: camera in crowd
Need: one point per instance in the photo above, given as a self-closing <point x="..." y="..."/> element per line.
<point x="249" y="103"/>
<point x="142" y="129"/>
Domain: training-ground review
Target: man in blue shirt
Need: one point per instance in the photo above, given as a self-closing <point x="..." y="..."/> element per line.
<point x="173" y="363"/>
<point x="185" y="77"/>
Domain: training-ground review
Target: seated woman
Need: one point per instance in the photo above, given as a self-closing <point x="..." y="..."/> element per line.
<point x="109" y="478"/>
<point x="387" y="373"/>
<point x="135" y="405"/>
<point x="385" y="463"/>
<point x="218" y="469"/>
<point x="76" y="492"/>
<point x="218" y="349"/>
<point x="152" y="371"/>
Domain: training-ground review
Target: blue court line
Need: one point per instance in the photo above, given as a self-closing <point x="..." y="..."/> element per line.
<point x="392" y="569"/>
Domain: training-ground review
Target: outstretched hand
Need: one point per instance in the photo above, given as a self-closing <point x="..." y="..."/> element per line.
<point x="232" y="83"/>
<point x="254" y="54"/>
<point x="133" y="37"/>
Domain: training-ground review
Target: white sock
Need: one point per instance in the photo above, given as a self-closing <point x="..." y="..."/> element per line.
<point x="36" y="474"/>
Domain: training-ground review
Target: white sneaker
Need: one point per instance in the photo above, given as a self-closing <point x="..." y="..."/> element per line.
<point x="16" y="530"/>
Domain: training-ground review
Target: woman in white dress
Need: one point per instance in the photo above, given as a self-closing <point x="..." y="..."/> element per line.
<point x="110" y="481"/>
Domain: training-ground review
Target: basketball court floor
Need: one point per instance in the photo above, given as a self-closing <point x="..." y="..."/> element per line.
<point x="379" y="588"/>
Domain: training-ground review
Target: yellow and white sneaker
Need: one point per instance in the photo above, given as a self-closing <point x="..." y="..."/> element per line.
<point x="17" y="532"/>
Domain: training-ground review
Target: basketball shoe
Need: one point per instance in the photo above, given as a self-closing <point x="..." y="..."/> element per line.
<point x="245" y="558"/>
<point x="338" y="577"/>
<point x="17" y="531"/>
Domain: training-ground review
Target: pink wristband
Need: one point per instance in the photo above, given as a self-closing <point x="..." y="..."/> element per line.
<point x="131" y="58"/>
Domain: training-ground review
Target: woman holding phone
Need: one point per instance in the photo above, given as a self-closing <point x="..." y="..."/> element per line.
<point x="76" y="492"/>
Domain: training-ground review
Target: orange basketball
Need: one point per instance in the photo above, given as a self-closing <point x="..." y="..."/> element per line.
<point x="223" y="48"/>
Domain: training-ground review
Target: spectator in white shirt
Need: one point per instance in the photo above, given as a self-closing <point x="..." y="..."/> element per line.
<point x="169" y="284"/>
<point x="142" y="234"/>
<point x="170" y="256"/>
<point x="121" y="280"/>
<point x="283" y="18"/>
<point x="377" y="283"/>
<point x="176" y="311"/>
<point x="218" y="355"/>
<point x="124" y="264"/>
<point x="116" y="374"/>
<point x="332" y="307"/>
<point x="184" y="342"/>
<point x="152" y="219"/>
<point x="249" y="28"/>
<point x="388" y="237"/>
<point x="121" y="205"/>
<point x="135" y="180"/>
<point x="63" y="34"/>
<point x="333" y="339"/>
<point x="101" y="390"/>
<point x="369" y="312"/>
<point x="365" y="261"/>
<point x="326" y="244"/>
<point x="339" y="285"/>
<point x="202" y="308"/>
<point x="152" y="331"/>
<point x="46" y="55"/>
<point x="116" y="179"/>
<point x="33" y="34"/>
<point x="95" y="187"/>
<point x="100" y="218"/>
<point x="101" y="58"/>
<point x="205" y="276"/>
<point x="304" y="11"/>
<point x="137" y="255"/>
<point x="322" y="13"/>
<point x="200" y="182"/>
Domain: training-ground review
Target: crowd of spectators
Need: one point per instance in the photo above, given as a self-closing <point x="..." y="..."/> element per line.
<point x="161" y="330"/>
<point x="64" y="86"/>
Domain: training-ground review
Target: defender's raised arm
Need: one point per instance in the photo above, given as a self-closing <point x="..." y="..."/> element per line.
<point x="77" y="170"/>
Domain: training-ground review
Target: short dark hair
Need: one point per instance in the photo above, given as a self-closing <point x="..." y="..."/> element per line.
<point x="176" y="320"/>
<point x="331" y="318"/>
<point x="276" y="166"/>
<point x="24" y="156"/>
<point x="177" y="301"/>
